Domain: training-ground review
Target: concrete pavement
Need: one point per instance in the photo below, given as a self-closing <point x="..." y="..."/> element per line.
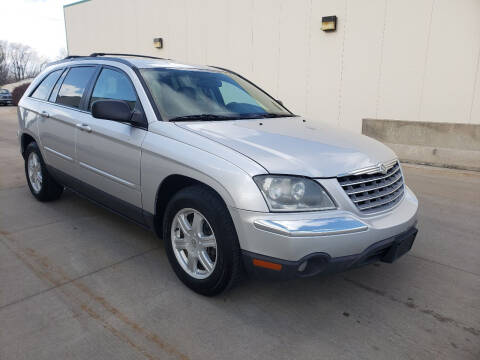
<point x="78" y="282"/>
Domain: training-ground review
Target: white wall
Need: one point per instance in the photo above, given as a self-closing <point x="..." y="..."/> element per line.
<point x="389" y="59"/>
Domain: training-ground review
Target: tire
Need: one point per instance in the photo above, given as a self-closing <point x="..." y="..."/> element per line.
<point x="47" y="189"/>
<point x="227" y="270"/>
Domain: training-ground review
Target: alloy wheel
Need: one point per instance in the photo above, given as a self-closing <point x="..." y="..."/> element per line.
<point x="194" y="243"/>
<point x="35" y="172"/>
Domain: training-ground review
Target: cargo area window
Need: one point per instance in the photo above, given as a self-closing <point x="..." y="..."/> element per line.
<point x="45" y="87"/>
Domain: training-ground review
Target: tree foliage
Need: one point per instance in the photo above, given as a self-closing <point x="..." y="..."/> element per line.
<point x="18" y="92"/>
<point x="4" y="72"/>
<point x="18" y="62"/>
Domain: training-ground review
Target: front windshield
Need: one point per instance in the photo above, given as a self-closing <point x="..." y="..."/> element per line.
<point x="3" y="91"/>
<point x="207" y="95"/>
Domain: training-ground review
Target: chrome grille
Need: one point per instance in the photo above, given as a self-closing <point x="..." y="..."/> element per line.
<point x="374" y="191"/>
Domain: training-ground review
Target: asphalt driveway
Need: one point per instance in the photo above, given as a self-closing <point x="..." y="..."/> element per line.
<point x="78" y="282"/>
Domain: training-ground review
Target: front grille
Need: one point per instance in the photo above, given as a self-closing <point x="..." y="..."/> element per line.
<point x="374" y="192"/>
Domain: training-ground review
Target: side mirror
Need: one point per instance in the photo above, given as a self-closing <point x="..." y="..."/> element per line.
<point x="115" y="110"/>
<point x="279" y="101"/>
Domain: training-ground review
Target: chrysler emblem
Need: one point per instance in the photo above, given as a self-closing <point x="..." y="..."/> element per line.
<point x="382" y="168"/>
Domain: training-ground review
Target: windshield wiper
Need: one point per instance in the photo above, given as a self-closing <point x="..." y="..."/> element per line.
<point x="262" y="115"/>
<point x="203" y="117"/>
<point x="214" y="117"/>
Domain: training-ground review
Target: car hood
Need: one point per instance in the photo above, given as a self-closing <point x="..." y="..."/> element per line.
<point x="295" y="146"/>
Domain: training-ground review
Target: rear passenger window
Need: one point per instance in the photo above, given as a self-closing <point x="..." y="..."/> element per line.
<point x="43" y="90"/>
<point x="74" y="85"/>
<point x="113" y="85"/>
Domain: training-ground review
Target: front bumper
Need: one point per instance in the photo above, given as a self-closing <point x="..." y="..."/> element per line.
<point x="290" y="238"/>
<point x="387" y="250"/>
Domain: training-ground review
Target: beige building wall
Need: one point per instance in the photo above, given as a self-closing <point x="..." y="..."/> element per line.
<point x="413" y="60"/>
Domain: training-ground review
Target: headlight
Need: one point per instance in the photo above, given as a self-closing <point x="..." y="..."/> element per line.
<point x="293" y="193"/>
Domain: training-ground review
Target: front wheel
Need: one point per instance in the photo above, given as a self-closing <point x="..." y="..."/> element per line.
<point x="201" y="241"/>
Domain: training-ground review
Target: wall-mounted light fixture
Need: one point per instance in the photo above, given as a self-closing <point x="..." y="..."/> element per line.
<point x="329" y="23"/>
<point x="158" y="43"/>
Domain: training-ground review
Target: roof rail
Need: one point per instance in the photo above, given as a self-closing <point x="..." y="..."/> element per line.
<point x="96" y="55"/>
<point x="66" y="58"/>
<point x="118" y="54"/>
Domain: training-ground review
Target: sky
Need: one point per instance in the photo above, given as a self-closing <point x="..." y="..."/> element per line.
<point x="37" y="23"/>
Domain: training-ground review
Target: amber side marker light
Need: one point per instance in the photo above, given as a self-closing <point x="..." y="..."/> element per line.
<point x="267" y="264"/>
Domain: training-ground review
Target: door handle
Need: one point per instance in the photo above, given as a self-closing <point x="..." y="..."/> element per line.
<point x="45" y="114"/>
<point x="84" y="127"/>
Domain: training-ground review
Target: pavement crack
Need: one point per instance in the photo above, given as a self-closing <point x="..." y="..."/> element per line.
<point x="74" y="279"/>
<point x="410" y="304"/>
<point x="442" y="264"/>
<point x="40" y="226"/>
<point x="131" y="333"/>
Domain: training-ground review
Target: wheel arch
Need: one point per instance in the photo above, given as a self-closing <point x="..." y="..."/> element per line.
<point x="25" y="140"/>
<point x="168" y="188"/>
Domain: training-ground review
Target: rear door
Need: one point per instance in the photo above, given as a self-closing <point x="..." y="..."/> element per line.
<point x="50" y="147"/>
<point x="109" y="152"/>
<point x="61" y="112"/>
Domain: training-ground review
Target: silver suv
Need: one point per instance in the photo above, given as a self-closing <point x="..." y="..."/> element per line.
<point x="230" y="179"/>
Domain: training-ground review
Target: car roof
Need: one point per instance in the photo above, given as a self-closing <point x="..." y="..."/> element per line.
<point x="139" y="62"/>
<point x="143" y="63"/>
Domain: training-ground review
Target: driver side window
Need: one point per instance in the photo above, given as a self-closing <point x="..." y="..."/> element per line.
<point x="113" y="85"/>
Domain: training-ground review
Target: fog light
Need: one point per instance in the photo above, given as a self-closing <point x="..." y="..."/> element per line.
<point x="303" y="266"/>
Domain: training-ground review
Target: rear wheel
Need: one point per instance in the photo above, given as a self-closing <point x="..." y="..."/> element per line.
<point x="41" y="184"/>
<point x="201" y="241"/>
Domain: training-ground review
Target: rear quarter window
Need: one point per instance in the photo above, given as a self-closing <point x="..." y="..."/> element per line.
<point x="43" y="90"/>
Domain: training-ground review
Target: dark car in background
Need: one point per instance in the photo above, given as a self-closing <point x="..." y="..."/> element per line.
<point x="5" y="97"/>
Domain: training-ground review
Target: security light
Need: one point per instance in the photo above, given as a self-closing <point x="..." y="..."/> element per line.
<point x="158" y="43"/>
<point x="329" y="23"/>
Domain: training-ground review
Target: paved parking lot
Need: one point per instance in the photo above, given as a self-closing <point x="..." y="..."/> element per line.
<point x="77" y="282"/>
